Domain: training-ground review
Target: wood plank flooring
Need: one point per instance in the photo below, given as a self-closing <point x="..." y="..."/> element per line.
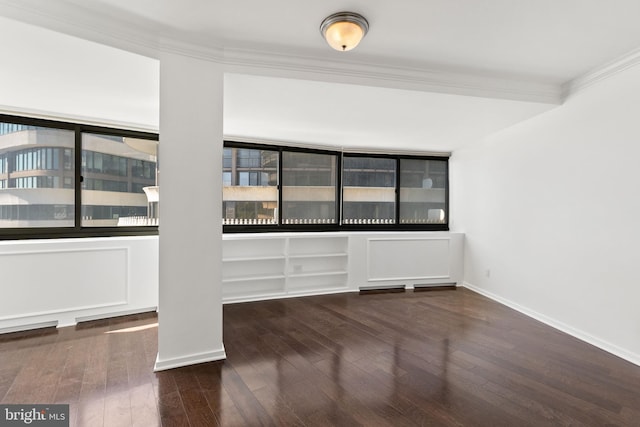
<point x="448" y="358"/>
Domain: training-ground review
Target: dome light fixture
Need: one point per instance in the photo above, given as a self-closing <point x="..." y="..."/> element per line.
<point x="344" y="30"/>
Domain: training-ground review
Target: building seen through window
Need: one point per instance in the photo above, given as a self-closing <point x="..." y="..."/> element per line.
<point x="368" y="190"/>
<point x="60" y="176"/>
<point x="327" y="189"/>
<point x="33" y="176"/>
<point x="422" y="191"/>
<point x="119" y="178"/>
<point x="309" y="188"/>
<point x="250" y="186"/>
<point x="38" y="179"/>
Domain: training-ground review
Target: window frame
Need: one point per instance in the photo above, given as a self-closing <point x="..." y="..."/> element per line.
<point x="339" y="226"/>
<point x="399" y="186"/>
<point x="280" y="226"/>
<point x="396" y="191"/>
<point x="338" y="181"/>
<point x="77" y="231"/>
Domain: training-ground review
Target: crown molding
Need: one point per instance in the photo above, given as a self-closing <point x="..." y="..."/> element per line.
<point x="144" y="40"/>
<point x="601" y="73"/>
<point x="409" y="77"/>
<point x="141" y="38"/>
<point x="77" y="23"/>
<point x="192" y="50"/>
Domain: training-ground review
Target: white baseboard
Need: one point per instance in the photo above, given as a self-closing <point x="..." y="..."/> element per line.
<point x="581" y="335"/>
<point x="192" y="359"/>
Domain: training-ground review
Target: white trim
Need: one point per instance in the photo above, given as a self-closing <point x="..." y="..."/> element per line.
<point x="577" y="333"/>
<point x="205" y="53"/>
<point x="66" y="310"/>
<point x="76" y="119"/>
<point x="192" y="359"/>
<point x="272" y="61"/>
<point x="601" y="73"/>
<point x="267" y="62"/>
<point x="77" y="23"/>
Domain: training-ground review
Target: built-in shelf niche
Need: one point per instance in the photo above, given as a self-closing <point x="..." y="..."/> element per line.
<point x="255" y="268"/>
<point x="275" y="265"/>
<point x="317" y="264"/>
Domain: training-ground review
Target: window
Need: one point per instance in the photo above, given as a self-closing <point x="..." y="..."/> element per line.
<point x="368" y="190"/>
<point x="37" y="159"/>
<point x="423" y="191"/>
<point x="250" y="186"/>
<point x="42" y="163"/>
<point x="325" y="190"/>
<point x="31" y="177"/>
<point x="114" y="181"/>
<point x="309" y="188"/>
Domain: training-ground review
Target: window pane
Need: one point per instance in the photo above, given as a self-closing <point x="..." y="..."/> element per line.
<point x="368" y="190"/>
<point x="31" y="190"/>
<point x="111" y="195"/>
<point x="423" y="191"/>
<point x="250" y="187"/>
<point x="308" y="188"/>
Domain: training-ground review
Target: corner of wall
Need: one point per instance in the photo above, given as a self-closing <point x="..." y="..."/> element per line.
<point x="563" y="327"/>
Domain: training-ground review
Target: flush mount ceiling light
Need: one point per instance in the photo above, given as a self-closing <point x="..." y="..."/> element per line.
<point x="344" y="30"/>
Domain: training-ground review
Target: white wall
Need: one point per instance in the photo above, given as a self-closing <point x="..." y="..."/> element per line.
<point x="59" y="76"/>
<point x="61" y="281"/>
<point x="550" y="211"/>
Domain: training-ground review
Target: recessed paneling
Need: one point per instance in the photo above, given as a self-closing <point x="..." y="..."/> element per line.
<point x="92" y="278"/>
<point x="407" y="259"/>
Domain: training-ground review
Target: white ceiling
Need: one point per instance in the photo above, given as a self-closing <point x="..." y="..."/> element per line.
<point x="430" y="75"/>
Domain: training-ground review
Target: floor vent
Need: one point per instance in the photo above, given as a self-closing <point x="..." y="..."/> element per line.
<point x="381" y="289"/>
<point x="435" y="287"/>
<point x="115" y="314"/>
<point x="33" y="326"/>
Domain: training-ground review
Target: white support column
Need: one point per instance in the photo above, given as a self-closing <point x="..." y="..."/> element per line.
<point x="190" y="299"/>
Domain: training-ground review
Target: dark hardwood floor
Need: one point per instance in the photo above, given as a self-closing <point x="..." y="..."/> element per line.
<point x="446" y="358"/>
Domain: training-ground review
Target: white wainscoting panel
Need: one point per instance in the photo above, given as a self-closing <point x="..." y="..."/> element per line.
<point x="408" y="259"/>
<point x="92" y="278"/>
<point x="59" y="281"/>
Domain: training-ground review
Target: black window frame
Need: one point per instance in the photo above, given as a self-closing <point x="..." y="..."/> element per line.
<point x="262" y="228"/>
<point x="338" y="180"/>
<point x="339" y="226"/>
<point x="381" y="227"/>
<point x="77" y="231"/>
